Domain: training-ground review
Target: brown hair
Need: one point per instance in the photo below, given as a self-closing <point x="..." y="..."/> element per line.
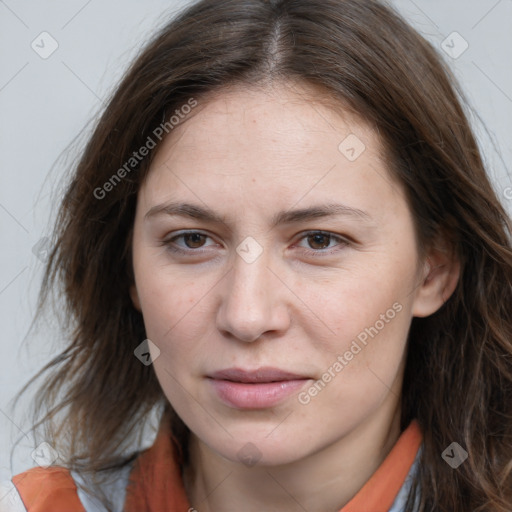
<point x="458" y="378"/>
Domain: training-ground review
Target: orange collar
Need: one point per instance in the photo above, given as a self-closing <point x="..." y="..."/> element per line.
<point x="379" y="493"/>
<point x="156" y="484"/>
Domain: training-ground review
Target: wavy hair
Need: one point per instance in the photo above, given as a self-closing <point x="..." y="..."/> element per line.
<point x="364" y="56"/>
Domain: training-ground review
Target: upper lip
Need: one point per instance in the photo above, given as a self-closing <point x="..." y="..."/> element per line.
<point x="265" y="374"/>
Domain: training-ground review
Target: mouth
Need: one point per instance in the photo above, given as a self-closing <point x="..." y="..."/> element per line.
<point x="255" y="389"/>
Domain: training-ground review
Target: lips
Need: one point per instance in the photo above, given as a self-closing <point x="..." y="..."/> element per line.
<point x="255" y="389"/>
<point x="265" y="374"/>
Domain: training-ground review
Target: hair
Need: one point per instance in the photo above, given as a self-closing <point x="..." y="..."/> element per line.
<point x="364" y="57"/>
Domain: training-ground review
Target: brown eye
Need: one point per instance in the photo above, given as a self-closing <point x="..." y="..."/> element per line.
<point x="319" y="240"/>
<point x="190" y="242"/>
<point x="321" y="243"/>
<point x="194" y="240"/>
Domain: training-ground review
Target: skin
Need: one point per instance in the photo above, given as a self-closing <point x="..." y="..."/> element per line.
<point x="247" y="154"/>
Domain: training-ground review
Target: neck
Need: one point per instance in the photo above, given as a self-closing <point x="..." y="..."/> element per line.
<point x="324" y="480"/>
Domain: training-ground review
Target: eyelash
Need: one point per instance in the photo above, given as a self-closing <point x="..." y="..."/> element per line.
<point x="343" y="242"/>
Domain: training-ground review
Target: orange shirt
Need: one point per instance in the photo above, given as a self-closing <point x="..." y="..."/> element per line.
<point x="156" y="484"/>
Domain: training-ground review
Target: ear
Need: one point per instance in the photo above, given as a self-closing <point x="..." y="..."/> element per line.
<point x="134" y="295"/>
<point x="439" y="278"/>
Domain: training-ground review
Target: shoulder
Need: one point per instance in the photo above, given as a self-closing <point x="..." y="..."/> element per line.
<point x="57" y="489"/>
<point x="42" y="489"/>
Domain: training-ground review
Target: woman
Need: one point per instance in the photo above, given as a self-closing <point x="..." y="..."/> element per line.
<point x="281" y="237"/>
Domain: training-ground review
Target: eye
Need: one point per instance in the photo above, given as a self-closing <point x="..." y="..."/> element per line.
<point x="319" y="242"/>
<point x="192" y="241"/>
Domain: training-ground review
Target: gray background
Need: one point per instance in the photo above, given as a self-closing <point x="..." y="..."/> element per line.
<point x="45" y="103"/>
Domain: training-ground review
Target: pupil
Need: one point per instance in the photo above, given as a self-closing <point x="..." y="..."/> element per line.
<point x="193" y="238"/>
<point x="318" y="238"/>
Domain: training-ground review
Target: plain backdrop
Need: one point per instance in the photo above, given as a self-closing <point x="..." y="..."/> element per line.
<point x="46" y="100"/>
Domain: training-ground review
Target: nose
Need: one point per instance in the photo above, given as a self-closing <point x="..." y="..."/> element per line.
<point x="253" y="301"/>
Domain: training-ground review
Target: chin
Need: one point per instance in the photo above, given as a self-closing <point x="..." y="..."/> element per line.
<point x="258" y="451"/>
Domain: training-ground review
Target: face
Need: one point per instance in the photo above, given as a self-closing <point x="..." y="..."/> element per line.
<point x="277" y="273"/>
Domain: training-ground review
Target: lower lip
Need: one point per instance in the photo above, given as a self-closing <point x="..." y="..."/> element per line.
<point x="243" y="395"/>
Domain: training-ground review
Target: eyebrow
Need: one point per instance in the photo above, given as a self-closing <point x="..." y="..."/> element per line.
<point x="281" y="218"/>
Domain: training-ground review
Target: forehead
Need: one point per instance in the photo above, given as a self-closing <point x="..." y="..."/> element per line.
<point x="281" y="121"/>
<point x="280" y="118"/>
<point x="288" y="140"/>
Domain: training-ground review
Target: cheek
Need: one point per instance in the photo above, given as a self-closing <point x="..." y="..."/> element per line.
<point x="372" y="298"/>
<point x="370" y="342"/>
<point x="173" y="309"/>
<point x="368" y="313"/>
<point x="167" y="296"/>
<point x="362" y="368"/>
